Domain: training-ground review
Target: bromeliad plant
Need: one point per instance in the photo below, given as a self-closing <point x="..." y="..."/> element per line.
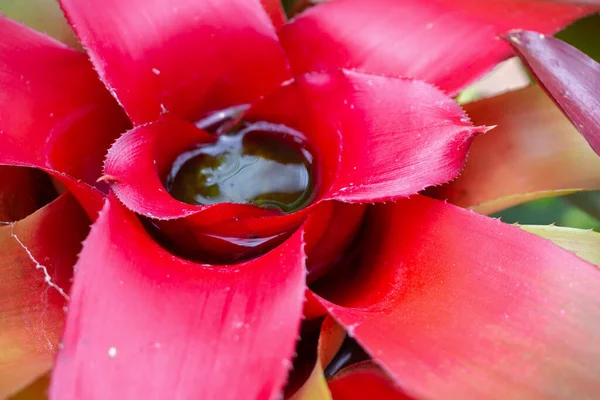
<point x="250" y="173"/>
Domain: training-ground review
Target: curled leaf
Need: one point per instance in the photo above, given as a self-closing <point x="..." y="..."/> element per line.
<point x="164" y="327"/>
<point x="456" y="305"/>
<point x="569" y="76"/>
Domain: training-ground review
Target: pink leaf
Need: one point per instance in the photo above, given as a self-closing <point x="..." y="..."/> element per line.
<point x="187" y="57"/>
<point x="456" y="305"/>
<point x="570" y="77"/>
<point x="449" y="43"/>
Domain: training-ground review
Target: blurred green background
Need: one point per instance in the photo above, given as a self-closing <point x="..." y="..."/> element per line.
<point x="562" y="211"/>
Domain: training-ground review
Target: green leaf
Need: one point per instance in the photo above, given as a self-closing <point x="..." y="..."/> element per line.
<point x="584" y="243"/>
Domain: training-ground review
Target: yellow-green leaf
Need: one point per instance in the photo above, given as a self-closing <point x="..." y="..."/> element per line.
<point x="584" y="243"/>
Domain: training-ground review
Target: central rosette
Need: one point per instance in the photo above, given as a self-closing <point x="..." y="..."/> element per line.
<point x="262" y="164"/>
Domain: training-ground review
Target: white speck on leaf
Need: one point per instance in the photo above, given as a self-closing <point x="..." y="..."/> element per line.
<point x="352" y="328"/>
<point x="238" y="324"/>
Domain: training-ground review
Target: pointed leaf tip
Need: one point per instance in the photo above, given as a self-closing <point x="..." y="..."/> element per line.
<point x="546" y="152"/>
<point x="570" y="78"/>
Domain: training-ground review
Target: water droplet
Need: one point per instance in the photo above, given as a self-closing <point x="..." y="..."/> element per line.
<point x="112" y="352"/>
<point x="267" y="165"/>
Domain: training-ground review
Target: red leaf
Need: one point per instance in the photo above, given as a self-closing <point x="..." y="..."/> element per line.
<point x="329" y="231"/>
<point x="58" y="118"/>
<point x="139" y="163"/>
<point x="313" y="308"/>
<point x="163" y="327"/>
<point x="375" y="138"/>
<point x="23" y="191"/>
<point x="364" y="380"/>
<point x="456" y="305"/>
<point x="449" y="43"/>
<point x="275" y="11"/>
<point x="37" y="255"/>
<point x="335" y="110"/>
<point x="331" y="338"/>
<point x="188" y="57"/>
<point x="570" y="77"/>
